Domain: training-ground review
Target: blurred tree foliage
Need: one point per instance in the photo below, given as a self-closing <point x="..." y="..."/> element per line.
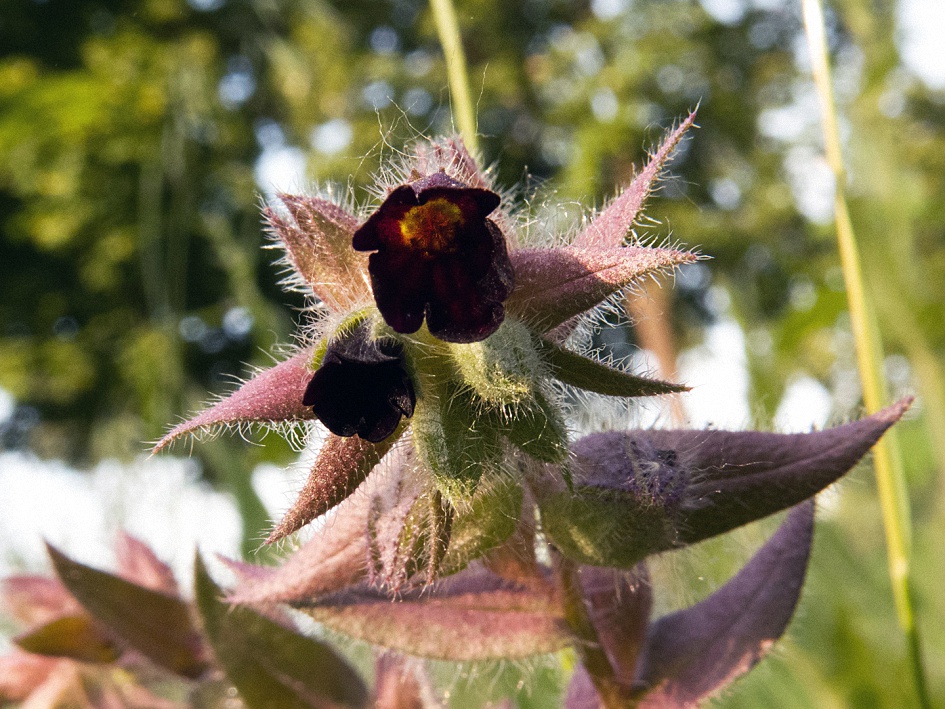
<point x="135" y="137"/>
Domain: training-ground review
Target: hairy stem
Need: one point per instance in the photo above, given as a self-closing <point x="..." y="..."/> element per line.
<point x="447" y="28"/>
<point x="890" y="478"/>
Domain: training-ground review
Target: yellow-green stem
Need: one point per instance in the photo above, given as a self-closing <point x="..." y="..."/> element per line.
<point x="447" y="28"/>
<point x="890" y="478"/>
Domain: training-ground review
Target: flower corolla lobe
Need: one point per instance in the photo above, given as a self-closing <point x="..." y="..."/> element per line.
<point x="437" y="255"/>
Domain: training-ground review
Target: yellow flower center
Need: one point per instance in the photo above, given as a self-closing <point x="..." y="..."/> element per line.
<point x="432" y="226"/>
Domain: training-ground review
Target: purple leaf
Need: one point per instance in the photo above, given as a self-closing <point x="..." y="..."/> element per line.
<point x="270" y="665"/>
<point x="709" y="482"/>
<point x="35" y="600"/>
<point x="611" y="227"/>
<point x="155" y="624"/>
<point x="554" y="285"/>
<point x="452" y="156"/>
<point x="272" y="396"/>
<point x="693" y="653"/>
<point x="139" y="564"/>
<point x="474" y="615"/>
<point x="339" y="552"/>
<point x="317" y="241"/>
<point x="341" y="466"/>
<point x="73" y="636"/>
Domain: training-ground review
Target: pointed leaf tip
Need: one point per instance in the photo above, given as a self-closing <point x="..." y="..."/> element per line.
<point x="155" y="624"/>
<point x="271" y="665"/>
<point x="554" y="285"/>
<point x="342" y="464"/>
<point x="274" y="395"/>
<point x="747" y="475"/>
<point x="317" y="241"/>
<point x="611" y="227"/>
<point x="694" y="653"/>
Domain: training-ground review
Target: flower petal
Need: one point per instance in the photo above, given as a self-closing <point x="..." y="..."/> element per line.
<point x="438" y="256"/>
<point x="22" y="672"/>
<point x="35" y="600"/>
<point x="272" y="396"/>
<point x="696" y="652"/>
<point x="612" y="226"/>
<point x="554" y="285"/>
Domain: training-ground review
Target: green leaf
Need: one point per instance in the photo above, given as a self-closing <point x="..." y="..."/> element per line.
<point x="489" y="520"/>
<point x="536" y="428"/>
<point x="74" y="636"/>
<point x="605" y="527"/>
<point x="155" y="624"/>
<point x="584" y="373"/>
<point x="270" y="665"/>
<point x="455" y="440"/>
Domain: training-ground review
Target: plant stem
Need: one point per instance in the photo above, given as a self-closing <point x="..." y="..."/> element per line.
<point x="890" y="478"/>
<point x="588" y="645"/>
<point x="447" y="28"/>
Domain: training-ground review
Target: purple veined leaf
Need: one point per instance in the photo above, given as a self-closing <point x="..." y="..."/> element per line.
<point x="340" y="551"/>
<point x="611" y="227"/>
<point x="317" y="241"/>
<point x="77" y="637"/>
<point x="155" y="624"/>
<point x="341" y="466"/>
<point x="36" y="600"/>
<point x="139" y="564"/>
<point x="270" y="665"/>
<point x="274" y="395"/>
<point x="554" y="285"/>
<point x="739" y="477"/>
<point x="473" y="615"/>
<point x="694" y="484"/>
<point x="693" y="653"/>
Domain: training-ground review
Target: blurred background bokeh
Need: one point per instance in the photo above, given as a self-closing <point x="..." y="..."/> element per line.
<point x="138" y="138"/>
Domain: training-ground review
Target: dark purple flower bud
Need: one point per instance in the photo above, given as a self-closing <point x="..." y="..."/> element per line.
<point x="438" y="256"/>
<point x="361" y="386"/>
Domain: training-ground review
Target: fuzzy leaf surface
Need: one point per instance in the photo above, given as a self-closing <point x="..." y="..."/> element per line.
<point x="270" y="665"/>
<point x="692" y="654"/>
<point x="696" y="484"/>
<point x="272" y="396"/>
<point x="341" y="466"/>
<point x="554" y="285"/>
<point x="584" y="373"/>
<point x="473" y="615"/>
<point x="338" y="553"/>
<point x="155" y="624"/>
<point x="317" y="241"/>
<point x="612" y="226"/>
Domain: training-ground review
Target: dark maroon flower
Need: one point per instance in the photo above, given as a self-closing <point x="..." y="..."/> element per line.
<point x="439" y="256"/>
<point x="361" y="386"/>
